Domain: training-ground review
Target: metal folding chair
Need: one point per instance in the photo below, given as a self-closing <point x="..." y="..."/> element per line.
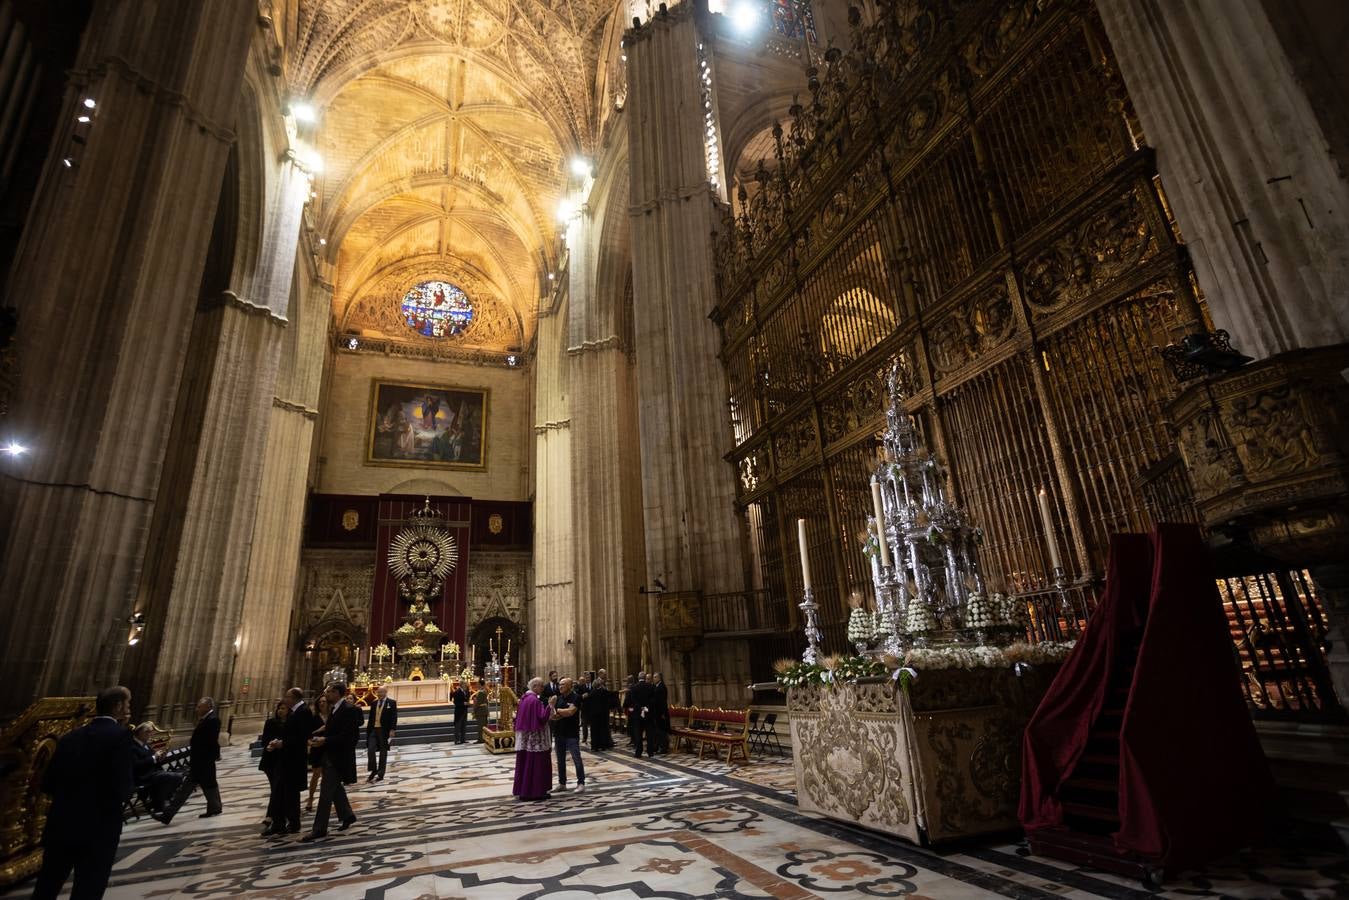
<point x="770" y="730"/>
<point x="753" y="729"/>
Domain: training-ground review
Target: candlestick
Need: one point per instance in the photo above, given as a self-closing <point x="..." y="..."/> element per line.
<point x="880" y="521"/>
<point x="805" y="556"/>
<point x="1054" y="560"/>
<point x="508" y="650"/>
<point x="812" y="628"/>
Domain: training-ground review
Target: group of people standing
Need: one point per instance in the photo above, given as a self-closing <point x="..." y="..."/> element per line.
<point x="556" y="715"/>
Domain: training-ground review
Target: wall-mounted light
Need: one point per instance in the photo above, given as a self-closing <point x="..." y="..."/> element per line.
<point x="580" y="166"/>
<point x="137" y="623"/>
<point x="14" y="448"/>
<point x="512" y="360"/>
<point x="566" y="210"/>
<point x="90" y="103"/>
<point x="352" y="343"/>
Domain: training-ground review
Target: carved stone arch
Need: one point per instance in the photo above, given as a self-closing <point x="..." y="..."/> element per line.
<point x="251" y="199"/>
<point x="612" y="296"/>
<point x="749" y="136"/>
<point x="353" y="634"/>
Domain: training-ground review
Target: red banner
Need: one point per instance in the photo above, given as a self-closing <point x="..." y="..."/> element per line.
<point x="451" y="608"/>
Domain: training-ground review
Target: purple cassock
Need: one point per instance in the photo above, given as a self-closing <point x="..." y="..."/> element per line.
<point x="533" y="749"/>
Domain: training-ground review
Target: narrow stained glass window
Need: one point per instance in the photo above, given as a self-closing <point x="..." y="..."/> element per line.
<point x="437" y="309"/>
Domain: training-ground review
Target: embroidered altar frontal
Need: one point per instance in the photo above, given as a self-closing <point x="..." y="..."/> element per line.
<point x="937" y="761"/>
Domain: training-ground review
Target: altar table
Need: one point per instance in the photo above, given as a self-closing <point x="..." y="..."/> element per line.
<point x="431" y="692"/>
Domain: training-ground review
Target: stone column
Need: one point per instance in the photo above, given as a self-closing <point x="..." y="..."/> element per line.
<point x="269" y="596"/>
<point x="228" y="408"/>
<point x="606" y="459"/>
<point x="692" y="537"/>
<point x="105" y="284"/>
<point x="1247" y="164"/>
<point x="552" y="613"/>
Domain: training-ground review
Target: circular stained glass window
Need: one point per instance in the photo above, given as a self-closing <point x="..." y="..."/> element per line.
<point x="437" y="309"/>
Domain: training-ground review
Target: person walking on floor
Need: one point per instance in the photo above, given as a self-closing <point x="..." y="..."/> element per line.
<point x="204" y="754"/>
<point x="338" y="741"/>
<point x="293" y="761"/>
<point x="313" y="751"/>
<point x="379" y="733"/>
<point x="460" y="698"/>
<point x="533" y="769"/>
<point x="270" y="764"/>
<point x="566" y="719"/>
<point x="638" y="706"/>
<point x="659" y="741"/>
<point x="88" y="779"/>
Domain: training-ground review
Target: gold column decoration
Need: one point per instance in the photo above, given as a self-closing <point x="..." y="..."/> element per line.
<point x="26" y="749"/>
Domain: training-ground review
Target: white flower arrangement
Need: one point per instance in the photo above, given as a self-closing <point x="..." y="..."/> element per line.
<point x="920" y="618"/>
<point x="981" y="611"/>
<point x="923" y="658"/>
<point x="880" y="626"/>
<point x="859" y="626"/>
<point x="1010" y="610"/>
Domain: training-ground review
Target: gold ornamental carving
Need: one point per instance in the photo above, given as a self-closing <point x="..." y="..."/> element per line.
<point x="350" y="520"/>
<point x="26" y="748"/>
<point x="1267" y="451"/>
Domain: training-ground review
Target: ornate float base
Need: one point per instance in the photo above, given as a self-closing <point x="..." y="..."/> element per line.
<point x="499" y="740"/>
<point x="936" y="762"/>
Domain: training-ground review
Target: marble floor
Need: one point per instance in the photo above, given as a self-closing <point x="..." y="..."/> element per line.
<point x="443" y="825"/>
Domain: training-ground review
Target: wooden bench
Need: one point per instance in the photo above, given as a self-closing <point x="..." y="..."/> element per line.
<point x="715" y="728"/>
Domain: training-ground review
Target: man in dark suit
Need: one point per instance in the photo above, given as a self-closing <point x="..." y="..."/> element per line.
<point x="460" y="698"/>
<point x="205" y="751"/>
<point x="89" y="778"/>
<point x="379" y="733"/>
<point x="552" y="688"/>
<point x="659" y="721"/>
<point x="294" y="764"/>
<point x="338" y="741"/>
<point x="637" y="704"/>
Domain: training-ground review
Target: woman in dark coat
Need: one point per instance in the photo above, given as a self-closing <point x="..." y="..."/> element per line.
<point x="270" y="764"/>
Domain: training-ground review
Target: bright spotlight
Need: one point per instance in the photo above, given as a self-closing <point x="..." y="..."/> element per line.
<point x="565" y="210"/>
<point x="303" y="112"/>
<point x="745" y="16"/>
<point x="14" y="448"/>
<point x="309" y="160"/>
<point x="580" y="166"/>
<point x="89" y="103"/>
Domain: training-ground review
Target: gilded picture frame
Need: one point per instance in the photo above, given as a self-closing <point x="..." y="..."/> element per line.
<point x="436" y="426"/>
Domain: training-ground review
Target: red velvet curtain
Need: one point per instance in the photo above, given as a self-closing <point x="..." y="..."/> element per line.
<point x="1057" y="732"/>
<point x="451" y="609"/>
<point x="1194" y="783"/>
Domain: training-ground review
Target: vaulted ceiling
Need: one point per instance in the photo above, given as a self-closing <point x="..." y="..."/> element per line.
<point x="445" y="127"/>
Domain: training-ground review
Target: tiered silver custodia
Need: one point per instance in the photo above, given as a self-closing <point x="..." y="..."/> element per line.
<point x="925" y="566"/>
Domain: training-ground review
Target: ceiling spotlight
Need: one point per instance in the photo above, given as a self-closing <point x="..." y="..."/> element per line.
<point x="580" y="166"/>
<point x="550" y="276"/>
<point x="323" y="242"/>
<point x="352" y="343"/>
<point x="511" y="360"/>
<point x="14" y="448"/>
<point x="83" y="120"/>
<point x="566" y="210"/>
<point x="89" y="103"/>
<point x="309" y="160"/>
<point x="68" y="163"/>
<point x="745" y="16"/>
<point x="303" y="112"/>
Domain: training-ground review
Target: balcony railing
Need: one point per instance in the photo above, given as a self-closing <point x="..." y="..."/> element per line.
<point x="742" y="612"/>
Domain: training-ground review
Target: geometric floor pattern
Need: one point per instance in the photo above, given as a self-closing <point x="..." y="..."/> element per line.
<point x="443" y="825"/>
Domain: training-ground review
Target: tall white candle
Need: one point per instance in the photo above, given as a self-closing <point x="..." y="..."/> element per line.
<point x="805" y="556"/>
<point x="358" y="657"/>
<point x="880" y="521"/>
<point x="1054" y="559"/>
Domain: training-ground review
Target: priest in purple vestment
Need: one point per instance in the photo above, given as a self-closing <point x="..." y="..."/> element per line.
<point x="533" y="745"/>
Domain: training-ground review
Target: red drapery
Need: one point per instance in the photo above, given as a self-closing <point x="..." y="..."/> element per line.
<point x="1057" y="733"/>
<point x="451" y="608"/>
<point x="1194" y="783"/>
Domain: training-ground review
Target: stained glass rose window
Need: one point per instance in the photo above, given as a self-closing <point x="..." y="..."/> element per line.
<point x="437" y="309"/>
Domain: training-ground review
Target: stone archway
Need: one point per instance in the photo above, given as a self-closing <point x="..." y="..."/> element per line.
<point x="329" y="642"/>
